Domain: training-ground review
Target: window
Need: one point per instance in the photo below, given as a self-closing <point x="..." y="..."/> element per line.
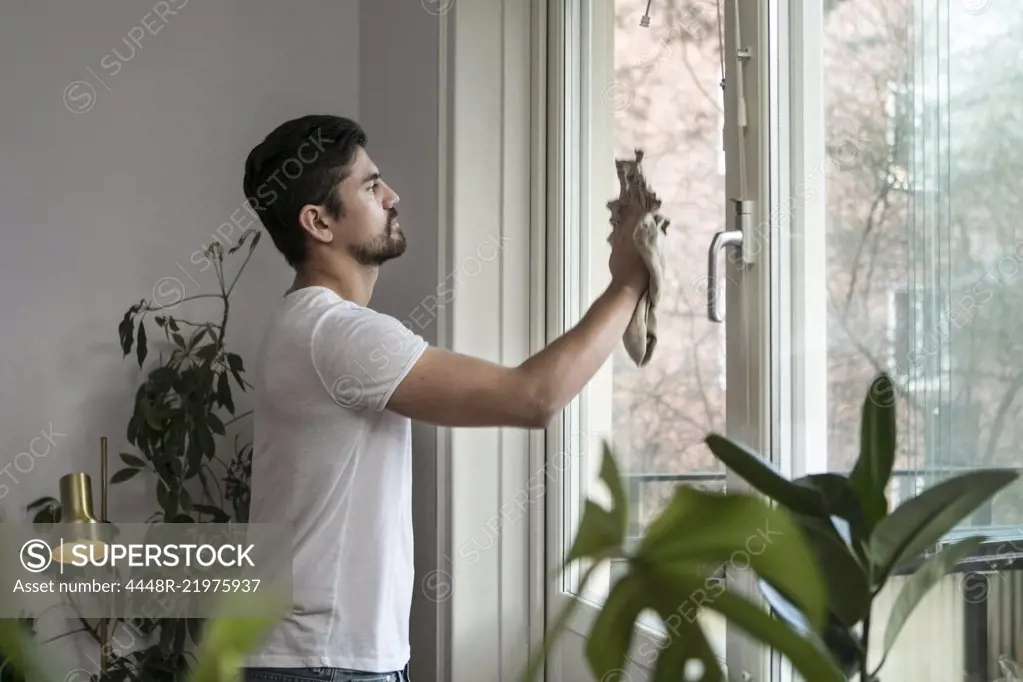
<point x="919" y="352"/>
<point x="915" y="270"/>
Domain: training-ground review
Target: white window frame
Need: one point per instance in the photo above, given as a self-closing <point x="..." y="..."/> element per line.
<point x="490" y="181"/>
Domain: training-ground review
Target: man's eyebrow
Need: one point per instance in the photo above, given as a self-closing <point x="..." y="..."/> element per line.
<point x="372" y="176"/>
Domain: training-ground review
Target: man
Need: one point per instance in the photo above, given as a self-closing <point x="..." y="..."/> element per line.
<point x="337" y="384"/>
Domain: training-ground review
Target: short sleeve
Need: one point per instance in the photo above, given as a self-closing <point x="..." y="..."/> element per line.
<point x="361" y="355"/>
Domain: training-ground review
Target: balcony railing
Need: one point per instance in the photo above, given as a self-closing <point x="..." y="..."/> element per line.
<point x="905" y="484"/>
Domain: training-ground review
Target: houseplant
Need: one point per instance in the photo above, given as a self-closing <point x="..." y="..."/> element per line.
<point x="857" y="540"/>
<point x="184" y="403"/>
<point x="675" y="559"/>
<point x="837" y="545"/>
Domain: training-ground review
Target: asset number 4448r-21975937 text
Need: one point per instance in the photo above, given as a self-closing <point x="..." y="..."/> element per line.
<point x="193" y="585"/>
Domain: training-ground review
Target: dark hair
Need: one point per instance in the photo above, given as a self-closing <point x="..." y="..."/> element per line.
<point x="300" y="162"/>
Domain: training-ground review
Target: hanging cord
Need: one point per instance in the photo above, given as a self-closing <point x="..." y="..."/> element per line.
<point x="645" y="20"/>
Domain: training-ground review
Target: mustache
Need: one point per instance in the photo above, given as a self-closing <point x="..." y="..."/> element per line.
<point x="392" y="216"/>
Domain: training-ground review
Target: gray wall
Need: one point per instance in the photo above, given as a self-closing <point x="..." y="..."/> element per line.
<point x="115" y="171"/>
<point x="398" y="98"/>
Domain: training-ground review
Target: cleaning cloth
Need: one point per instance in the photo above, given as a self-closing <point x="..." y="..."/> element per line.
<point x="640" y="336"/>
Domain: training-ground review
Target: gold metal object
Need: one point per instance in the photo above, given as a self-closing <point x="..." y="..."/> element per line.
<point x="84" y="529"/>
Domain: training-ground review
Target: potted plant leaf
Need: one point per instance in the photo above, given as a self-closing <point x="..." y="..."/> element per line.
<point x="860" y="543"/>
<point x="692" y="537"/>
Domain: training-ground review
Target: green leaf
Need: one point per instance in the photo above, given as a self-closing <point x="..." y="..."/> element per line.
<point x="552" y="633"/>
<point x="132" y="460"/>
<point x="752" y="468"/>
<point x="224" y="392"/>
<point x="124" y="475"/>
<point x="221" y="654"/>
<point x="180" y="637"/>
<point x="234" y="361"/>
<point x="206" y="444"/>
<point x="126" y="332"/>
<point x="847" y="582"/>
<point x="218" y="514"/>
<point x="197" y="337"/>
<point x="806" y="657"/>
<point x="611" y="634"/>
<point x="195" y="629"/>
<point x="873" y="468"/>
<point x="688" y="644"/>
<point x="142" y="349"/>
<point x="922" y="521"/>
<point x="173" y="324"/>
<point x="601" y="531"/>
<point x="698" y="527"/>
<point x="597" y="537"/>
<point x="838" y="497"/>
<point x="917" y="586"/>
<point x="21" y="654"/>
<point x="207" y="352"/>
<point x="841" y="500"/>
<point x="179" y="340"/>
<point x="133" y="429"/>
<point x="149" y="413"/>
<point x="163" y="496"/>
<point x="216" y="426"/>
<point x="166" y="636"/>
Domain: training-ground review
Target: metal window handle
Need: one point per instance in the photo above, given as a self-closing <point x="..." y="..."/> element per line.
<point x="714" y="288"/>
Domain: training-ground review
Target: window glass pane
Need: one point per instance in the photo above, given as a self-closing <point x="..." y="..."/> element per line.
<point x="922" y="117"/>
<point x="656" y="88"/>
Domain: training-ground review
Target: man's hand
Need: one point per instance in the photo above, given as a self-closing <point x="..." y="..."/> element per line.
<point x="627" y="267"/>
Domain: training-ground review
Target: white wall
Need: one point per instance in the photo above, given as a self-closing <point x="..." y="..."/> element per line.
<point x="98" y="206"/>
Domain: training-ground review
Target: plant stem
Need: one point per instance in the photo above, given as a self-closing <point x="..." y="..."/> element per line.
<point x="865" y="675"/>
<point x="158" y="308"/>
<point x="232" y="420"/>
<point x="216" y="483"/>
<point x="65" y="634"/>
<point x="240" y="268"/>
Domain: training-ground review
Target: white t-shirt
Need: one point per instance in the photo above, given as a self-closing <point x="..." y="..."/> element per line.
<point x="330" y="460"/>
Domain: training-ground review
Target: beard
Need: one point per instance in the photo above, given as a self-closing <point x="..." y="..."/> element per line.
<point x="383" y="248"/>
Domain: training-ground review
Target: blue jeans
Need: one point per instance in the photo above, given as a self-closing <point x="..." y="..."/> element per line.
<point x="320" y="675"/>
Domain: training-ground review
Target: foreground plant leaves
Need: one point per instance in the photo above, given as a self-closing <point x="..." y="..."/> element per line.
<point x="873" y="468"/>
<point x="601" y="531"/>
<point x="226" y="640"/>
<point x="845" y="577"/>
<point x="695" y="534"/>
<point x="601" y="535"/>
<point x="762" y="477"/>
<point x="920" y="522"/>
<point x="24" y="658"/>
<point x="703" y="530"/>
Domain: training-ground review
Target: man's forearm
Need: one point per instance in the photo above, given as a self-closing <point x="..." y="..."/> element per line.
<point x="563" y="368"/>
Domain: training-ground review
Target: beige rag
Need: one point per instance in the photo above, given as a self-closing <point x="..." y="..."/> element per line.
<point x="640" y="337"/>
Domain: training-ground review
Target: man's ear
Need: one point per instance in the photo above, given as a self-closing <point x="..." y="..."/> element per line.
<point x="313" y="220"/>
